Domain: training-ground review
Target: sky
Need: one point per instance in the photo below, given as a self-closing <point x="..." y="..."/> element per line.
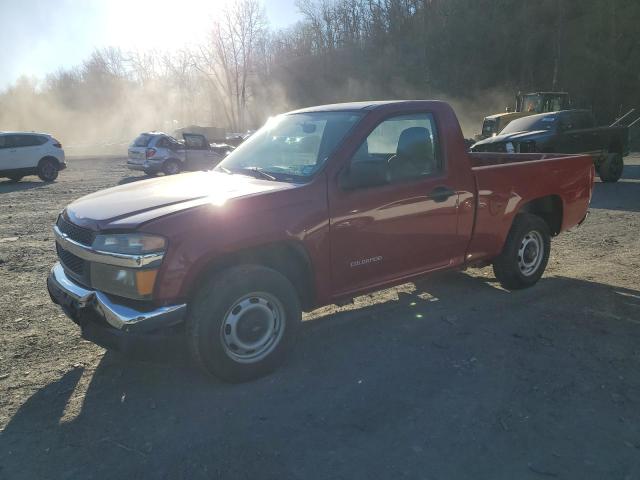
<point x="41" y="36"/>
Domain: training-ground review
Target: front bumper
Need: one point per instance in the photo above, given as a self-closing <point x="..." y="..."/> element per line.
<point x="93" y="310"/>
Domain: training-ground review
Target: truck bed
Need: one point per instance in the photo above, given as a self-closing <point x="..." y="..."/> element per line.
<point x="486" y="159"/>
<point x="506" y="182"/>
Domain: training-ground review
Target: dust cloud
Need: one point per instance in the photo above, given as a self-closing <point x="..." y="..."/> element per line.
<point x="93" y="111"/>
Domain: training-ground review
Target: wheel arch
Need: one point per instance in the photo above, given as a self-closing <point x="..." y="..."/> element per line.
<point x="549" y="208"/>
<point x="49" y="157"/>
<point x="289" y="258"/>
<point x="615" y="146"/>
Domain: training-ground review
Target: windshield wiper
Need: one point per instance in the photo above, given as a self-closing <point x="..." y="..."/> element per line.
<point x="260" y="173"/>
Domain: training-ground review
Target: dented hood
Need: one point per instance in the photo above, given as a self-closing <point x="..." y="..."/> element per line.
<point x="139" y="202"/>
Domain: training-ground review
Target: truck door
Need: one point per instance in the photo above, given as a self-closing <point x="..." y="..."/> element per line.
<point x="199" y="155"/>
<point x="394" y="210"/>
<point x="6" y="145"/>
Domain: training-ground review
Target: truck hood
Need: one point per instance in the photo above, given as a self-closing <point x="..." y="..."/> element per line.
<point x="511" y="137"/>
<point x="146" y="200"/>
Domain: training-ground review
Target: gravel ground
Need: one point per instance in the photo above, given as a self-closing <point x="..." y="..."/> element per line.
<point x="452" y="377"/>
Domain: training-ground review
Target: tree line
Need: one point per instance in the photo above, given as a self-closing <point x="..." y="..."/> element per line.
<point x="477" y="53"/>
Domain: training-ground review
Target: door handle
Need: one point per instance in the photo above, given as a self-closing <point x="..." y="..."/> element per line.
<point x="441" y="194"/>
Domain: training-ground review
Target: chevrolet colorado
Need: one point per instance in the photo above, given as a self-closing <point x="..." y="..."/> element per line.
<point x="320" y="205"/>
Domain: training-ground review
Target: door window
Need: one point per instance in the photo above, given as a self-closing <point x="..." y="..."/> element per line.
<point x="195" y="142"/>
<point x="401" y="148"/>
<point x="29" y="140"/>
<point x="582" y="120"/>
<point x="8" y="141"/>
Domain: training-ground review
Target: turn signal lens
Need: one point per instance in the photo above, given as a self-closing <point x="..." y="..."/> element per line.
<point x="145" y="281"/>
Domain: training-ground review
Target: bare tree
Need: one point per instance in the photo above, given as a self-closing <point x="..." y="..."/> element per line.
<point x="228" y="57"/>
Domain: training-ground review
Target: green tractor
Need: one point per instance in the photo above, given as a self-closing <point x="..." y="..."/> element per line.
<point x="526" y="104"/>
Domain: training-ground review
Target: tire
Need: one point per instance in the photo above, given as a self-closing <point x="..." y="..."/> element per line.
<point x="525" y="253"/>
<point x="171" y="167"/>
<point x="234" y="307"/>
<point x="48" y="170"/>
<point x="611" y="168"/>
<point x="15" y="178"/>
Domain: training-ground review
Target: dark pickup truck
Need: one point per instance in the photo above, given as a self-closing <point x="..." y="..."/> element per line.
<point x="566" y="131"/>
<point x="318" y="206"/>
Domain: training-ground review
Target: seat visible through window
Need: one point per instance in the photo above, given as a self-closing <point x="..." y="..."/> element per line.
<point x="414" y="154"/>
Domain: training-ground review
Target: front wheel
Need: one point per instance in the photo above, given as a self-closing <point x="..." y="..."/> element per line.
<point x="48" y="170"/>
<point x="525" y="253"/>
<point x="610" y="169"/>
<point x="242" y="322"/>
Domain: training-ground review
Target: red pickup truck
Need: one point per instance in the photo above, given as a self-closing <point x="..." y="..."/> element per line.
<point x="320" y="205"/>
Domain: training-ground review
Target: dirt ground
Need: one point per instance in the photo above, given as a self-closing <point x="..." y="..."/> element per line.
<point x="450" y="378"/>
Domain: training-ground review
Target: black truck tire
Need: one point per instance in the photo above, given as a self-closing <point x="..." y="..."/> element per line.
<point x="525" y="253"/>
<point x="171" y="167"/>
<point x="48" y="169"/>
<point x="610" y="170"/>
<point x="242" y="322"/>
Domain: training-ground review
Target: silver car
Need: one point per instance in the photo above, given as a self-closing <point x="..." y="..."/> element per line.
<point x="156" y="152"/>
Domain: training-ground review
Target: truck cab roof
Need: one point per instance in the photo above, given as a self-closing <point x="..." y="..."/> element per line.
<point x="366" y="106"/>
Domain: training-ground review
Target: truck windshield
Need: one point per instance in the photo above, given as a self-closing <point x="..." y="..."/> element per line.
<point x="292" y="146"/>
<point x="528" y="124"/>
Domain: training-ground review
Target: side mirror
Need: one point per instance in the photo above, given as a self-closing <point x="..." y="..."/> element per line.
<point x="364" y="174"/>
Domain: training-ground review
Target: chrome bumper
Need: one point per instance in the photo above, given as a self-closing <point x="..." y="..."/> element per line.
<point x="74" y="299"/>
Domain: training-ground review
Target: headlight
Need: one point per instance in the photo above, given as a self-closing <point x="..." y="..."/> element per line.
<point x="124" y="282"/>
<point x="129" y="243"/>
<point x="135" y="283"/>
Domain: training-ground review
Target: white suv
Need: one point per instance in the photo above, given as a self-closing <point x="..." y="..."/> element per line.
<point x="28" y="153"/>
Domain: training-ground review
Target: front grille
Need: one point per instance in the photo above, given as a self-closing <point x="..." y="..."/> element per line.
<point x="71" y="262"/>
<point x="74" y="232"/>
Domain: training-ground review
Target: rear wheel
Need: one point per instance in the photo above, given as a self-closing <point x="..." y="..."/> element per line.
<point x="525" y="253"/>
<point x="610" y="169"/>
<point x="48" y="170"/>
<point x="242" y="322"/>
<point x="171" y="167"/>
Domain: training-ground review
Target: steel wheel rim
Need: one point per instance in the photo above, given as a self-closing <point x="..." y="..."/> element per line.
<point x="253" y="327"/>
<point x="530" y="253"/>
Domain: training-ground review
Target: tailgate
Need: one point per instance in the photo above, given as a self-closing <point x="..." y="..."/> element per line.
<point x="137" y="155"/>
